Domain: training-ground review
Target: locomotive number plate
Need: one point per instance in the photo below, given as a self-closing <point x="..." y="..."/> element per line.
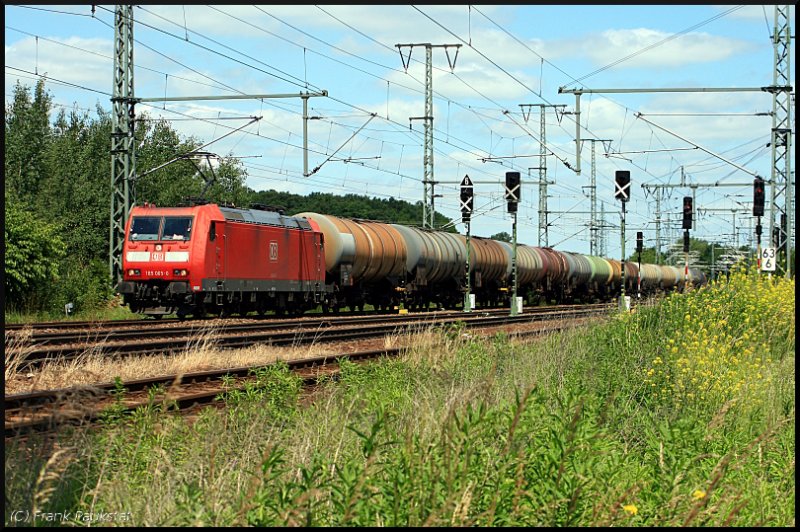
<point x="156" y="273"/>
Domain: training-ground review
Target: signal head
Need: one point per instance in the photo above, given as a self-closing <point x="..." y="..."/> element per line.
<point x="622" y="180"/>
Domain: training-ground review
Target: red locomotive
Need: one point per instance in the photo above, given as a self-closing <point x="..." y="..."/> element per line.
<point x="209" y="258"/>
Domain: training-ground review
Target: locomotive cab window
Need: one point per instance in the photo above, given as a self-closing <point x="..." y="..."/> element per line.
<point x="177" y="228"/>
<point x="145" y="228"/>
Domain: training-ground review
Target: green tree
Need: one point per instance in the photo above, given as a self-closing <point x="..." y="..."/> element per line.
<point x="76" y="190"/>
<point x="158" y="143"/>
<point x="33" y="251"/>
<point x="27" y="134"/>
<point x="501" y="236"/>
<point x="228" y="186"/>
<point x="387" y="210"/>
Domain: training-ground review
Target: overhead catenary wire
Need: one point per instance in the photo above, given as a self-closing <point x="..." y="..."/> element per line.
<point x="184" y="28"/>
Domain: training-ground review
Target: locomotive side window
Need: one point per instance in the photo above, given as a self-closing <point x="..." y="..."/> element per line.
<point x="145" y="228"/>
<point x="177" y="228"/>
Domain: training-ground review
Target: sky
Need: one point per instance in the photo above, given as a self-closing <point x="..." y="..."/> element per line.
<point x="494" y="69"/>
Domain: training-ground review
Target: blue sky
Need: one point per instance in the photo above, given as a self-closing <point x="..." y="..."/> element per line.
<point x="510" y="56"/>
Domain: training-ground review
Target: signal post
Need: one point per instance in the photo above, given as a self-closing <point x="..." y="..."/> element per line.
<point x="687" y="224"/>
<point x="622" y="182"/>
<point x="758" y="212"/>
<point x="513" y="189"/>
<point x="639" y="245"/>
<point x="466" y="216"/>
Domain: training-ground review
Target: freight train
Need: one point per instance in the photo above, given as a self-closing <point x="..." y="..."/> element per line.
<point x="215" y="259"/>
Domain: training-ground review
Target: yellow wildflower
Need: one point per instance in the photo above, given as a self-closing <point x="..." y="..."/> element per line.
<point x="631" y="509"/>
<point x="699" y="494"/>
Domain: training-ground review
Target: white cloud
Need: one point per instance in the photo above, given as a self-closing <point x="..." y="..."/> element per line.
<point x="613" y="45"/>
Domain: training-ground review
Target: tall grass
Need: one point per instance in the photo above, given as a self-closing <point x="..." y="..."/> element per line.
<point x="615" y="425"/>
<point x="112" y="311"/>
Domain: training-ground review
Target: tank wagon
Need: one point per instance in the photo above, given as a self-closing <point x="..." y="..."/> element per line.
<point x="215" y="259"/>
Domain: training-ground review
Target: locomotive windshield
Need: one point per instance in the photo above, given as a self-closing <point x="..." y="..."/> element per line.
<point x="161" y="228"/>
<point x="177" y="228"/>
<point x="145" y="228"/>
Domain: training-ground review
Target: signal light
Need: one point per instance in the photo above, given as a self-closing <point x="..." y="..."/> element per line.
<point x="758" y="197"/>
<point x="466" y="212"/>
<point x="639" y="241"/>
<point x="622" y="180"/>
<point x="466" y="199"/>
<point x="687" y="212"/>
<point x="513" y="190"/>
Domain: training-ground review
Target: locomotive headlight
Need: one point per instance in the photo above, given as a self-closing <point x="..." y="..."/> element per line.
<point x="180" y="273"/>
<point x="133" y="272"/>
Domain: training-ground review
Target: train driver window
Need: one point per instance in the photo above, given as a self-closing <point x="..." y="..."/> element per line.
<point x="145" y="228"/>
<point x="177" y="228"/>
<point x="212" y="231"/>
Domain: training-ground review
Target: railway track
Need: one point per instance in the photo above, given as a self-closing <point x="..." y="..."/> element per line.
<point x="117" y="330"/>
<point x="68" y="346"/>
<point x="43" y="411"/>
<point x="40" y="328"/>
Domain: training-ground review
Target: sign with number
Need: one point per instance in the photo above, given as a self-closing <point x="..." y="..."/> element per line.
<point x="768" y="260"/>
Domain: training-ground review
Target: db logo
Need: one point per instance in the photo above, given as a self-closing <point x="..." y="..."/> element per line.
<point x="157" y="256"/>
<point x="273" y="250"/>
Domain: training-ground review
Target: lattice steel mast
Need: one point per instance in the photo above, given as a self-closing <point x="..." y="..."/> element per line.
<point x="123" y="156"/>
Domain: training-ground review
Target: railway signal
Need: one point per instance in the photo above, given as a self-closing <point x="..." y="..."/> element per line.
<point x="513" y="194"/>
<point x="687" y="212"/>
<point x="639" y="246"/>
<point x="622" y="180"/>
<point x="758" y="197"/>
<point x="513" y="189"/>
<point x="466" y="199"/>
<point x="758" y="212"/>
<point x="466" y="215"/>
